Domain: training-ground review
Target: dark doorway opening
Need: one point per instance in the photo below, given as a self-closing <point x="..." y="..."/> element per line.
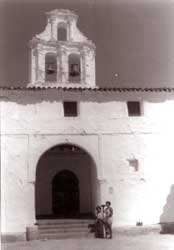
<point x="66" y="184"/>
<point x="65" y="194"/>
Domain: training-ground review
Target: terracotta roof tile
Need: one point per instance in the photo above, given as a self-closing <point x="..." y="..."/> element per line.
<point x="102" y="89"/>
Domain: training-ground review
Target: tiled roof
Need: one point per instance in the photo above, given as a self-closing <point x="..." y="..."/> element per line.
<point x="102" y="89"/>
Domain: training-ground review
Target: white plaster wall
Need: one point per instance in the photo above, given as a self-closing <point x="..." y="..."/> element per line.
<point x="16" y="196"/>
<point x="33" y="122"/>
<point x="96" y="115"/>
<point x="138" y="195"/>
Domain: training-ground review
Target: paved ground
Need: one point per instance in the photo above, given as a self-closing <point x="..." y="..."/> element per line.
<point x="120" y="242"/>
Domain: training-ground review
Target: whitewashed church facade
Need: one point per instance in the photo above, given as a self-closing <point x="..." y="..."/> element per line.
<point x="68" y="145"/>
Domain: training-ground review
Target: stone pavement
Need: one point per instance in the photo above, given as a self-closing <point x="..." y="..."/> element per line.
<point x="119" y="242"/>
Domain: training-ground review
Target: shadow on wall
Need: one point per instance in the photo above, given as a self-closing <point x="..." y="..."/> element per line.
<point x="167" y="217"/>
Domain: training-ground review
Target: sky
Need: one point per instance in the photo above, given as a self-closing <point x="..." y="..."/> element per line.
<point x="134" y="39"/>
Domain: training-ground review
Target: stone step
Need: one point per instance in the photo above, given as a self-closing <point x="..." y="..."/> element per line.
<point x="67" y="235"/>
<point x="84" y="232"/>
<point x="64" y="221"/>
<point x="63" y="230"/>
<point x="74" y="225"/>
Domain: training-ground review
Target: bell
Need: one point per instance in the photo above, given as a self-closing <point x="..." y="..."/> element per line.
<point x="75" y="70"/>
<point x="50" y="69"/>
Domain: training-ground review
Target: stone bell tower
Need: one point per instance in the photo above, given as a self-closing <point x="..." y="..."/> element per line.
<point x="61" y="54"/>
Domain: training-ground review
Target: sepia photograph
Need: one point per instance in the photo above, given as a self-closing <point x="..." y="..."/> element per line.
<point x="87" y="124"/>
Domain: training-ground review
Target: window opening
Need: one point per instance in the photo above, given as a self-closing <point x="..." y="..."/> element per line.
<point x="70" y="109"/>
<point x="134" y="108"/>
<point x="62" y="34"/>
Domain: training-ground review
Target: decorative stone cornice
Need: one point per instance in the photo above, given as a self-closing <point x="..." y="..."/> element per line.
<point x="61" y="12"/>
<point x="36" y="41"/>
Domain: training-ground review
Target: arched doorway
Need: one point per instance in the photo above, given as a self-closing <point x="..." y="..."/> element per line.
<point x="66" y="183"/>
<point x="65" y="194"/>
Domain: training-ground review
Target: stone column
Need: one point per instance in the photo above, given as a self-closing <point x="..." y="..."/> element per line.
<point x="59" y="65"/>
<point x="64" y="66"/>
<point x="31" y="227"/>
<point x="82" y="67"/>
<point x="34" y="65"/>
<point x="41" y="66"/>
<point x="54" y="28"/>
<point x="70" y="29"/>
<point x="69" y="32"/>
<point x="93" y="73"/>
<point x="89" y="66"/>
<point x="51" y="23"/>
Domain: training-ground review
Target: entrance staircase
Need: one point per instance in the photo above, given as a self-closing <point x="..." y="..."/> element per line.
<point x="64" y="228"/>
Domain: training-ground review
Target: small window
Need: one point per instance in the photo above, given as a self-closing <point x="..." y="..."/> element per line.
<point x="134" y="108"/>
<point x="70" y="109"/>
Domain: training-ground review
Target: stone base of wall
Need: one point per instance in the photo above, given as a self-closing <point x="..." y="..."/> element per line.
<point x="30" y="234"/>
<point x="13" y="237"/>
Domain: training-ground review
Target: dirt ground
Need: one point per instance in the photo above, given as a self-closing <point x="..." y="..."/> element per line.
<point x="120" y="242"/>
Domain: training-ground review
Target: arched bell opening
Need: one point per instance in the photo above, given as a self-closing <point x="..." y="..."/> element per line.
<point x="74" y="68"/>
<point x="62" y="32"/>
<point x="50" y="67"/>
